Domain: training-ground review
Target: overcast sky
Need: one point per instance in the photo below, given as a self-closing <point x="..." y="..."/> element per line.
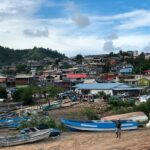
<point x="77" y="26"/>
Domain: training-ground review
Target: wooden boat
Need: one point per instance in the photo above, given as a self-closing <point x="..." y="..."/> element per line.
<point x="35" y="135"/>
<point x="135" y="116"/>
<point x="97" y="125"/>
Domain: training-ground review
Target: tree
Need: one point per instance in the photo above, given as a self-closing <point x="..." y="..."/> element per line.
<point x="27" y="96"/>
<point x="24" y="95"/>
<point x="79" y="58"/>
<point x="17" y="95"/>
<point x="3" y="92"/>
<point x="53" y="91"/>
<point x="145" y="107"/>
<point x="21" y="68"/>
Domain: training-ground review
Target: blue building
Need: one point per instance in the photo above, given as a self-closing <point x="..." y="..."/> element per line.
<point x="127" y="70"/>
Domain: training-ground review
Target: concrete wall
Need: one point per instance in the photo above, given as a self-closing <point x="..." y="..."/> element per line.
<point x="107" y="92"/>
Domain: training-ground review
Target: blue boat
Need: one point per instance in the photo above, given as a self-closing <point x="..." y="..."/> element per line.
<point x="11" y="122"/>
<point x="97" y="125"/>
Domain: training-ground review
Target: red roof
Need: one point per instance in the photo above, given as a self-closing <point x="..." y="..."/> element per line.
<point x="74" y="76"/>
<point x="147" y="71"/>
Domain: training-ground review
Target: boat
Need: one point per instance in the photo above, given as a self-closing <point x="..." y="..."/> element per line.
<point x="51" y="107"/>
<point x="97" y="125"/>
<point x="11" y="122"/>
<point x="26" y="137"/>
<point x="53" y="131"/>
<point x="135" y="116"/>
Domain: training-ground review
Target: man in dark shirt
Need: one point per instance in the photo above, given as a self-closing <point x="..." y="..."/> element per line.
<point x="118" y="128"/>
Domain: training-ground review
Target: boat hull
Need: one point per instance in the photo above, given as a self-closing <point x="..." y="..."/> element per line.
<point x="98" y="125"/>
<point x="24" y="138"/>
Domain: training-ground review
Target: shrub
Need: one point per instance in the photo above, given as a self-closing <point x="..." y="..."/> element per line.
<point x="90" y="113"/>
<point x="62" y="127"/>
<point x="39" y="121"/>
<point x="145" y="107"/>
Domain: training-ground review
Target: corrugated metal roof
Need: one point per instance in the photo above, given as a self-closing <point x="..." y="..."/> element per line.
<point x="105" y="86"/>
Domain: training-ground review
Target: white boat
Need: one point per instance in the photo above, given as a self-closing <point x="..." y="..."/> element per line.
<point x="32" y="136"/>
<point x="135" y="116"/>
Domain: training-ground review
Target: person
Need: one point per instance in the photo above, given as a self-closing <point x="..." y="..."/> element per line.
<point x="118" y="128"/>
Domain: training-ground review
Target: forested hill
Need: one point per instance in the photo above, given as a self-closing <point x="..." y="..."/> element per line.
<point x="8" y="56"/>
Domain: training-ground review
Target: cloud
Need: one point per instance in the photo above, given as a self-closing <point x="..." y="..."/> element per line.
<point x="80" y="20"/>
<point x="137" y="21"/>
<point x="109" y="43"/>
<point x="109" y="46"/>
<point x="71" y="6"/>
<point x="36" y="33"/>
<point x="128" y="20"/>
<point x="121" y="16"/>
<point x="17" y="9"/>
<point x="77" y="17"/>
<point x="21" y="19"/>
<point x="113" y="36"/>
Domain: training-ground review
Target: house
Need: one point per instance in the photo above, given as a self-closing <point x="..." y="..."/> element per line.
<point x="7" y="82"/>
<point x="3" y="81"/>
<point x="69" y="80"/>
<point x="76" y="78"/>
<point x="25" y="79"/>
<point x="144" y="81"/>
<point x="46" y="80"/>
<point x="144" y="98"/>
<point x="124" y="69"/>
<point x="112" y="89"/>
<point x="147" y="72"/>
<point x="147" y="56"/>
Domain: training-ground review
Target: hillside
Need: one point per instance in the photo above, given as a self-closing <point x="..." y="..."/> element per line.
<point x="8" y="56"/>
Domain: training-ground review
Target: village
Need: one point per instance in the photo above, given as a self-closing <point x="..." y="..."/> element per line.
<point x="68" y="93"/>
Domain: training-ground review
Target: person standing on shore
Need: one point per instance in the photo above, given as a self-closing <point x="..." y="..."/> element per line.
<point x="118" y="128"/>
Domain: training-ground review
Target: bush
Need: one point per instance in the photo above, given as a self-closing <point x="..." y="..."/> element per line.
<point x="116" y="102"/>
<point x="62" y="127"/>
<point x="35" y="121"/>
<point x="145" y="107"/>
<point x="90" y="113"/>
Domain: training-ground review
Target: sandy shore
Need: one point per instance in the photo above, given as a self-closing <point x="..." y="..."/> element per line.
<point x="131" y="140"/>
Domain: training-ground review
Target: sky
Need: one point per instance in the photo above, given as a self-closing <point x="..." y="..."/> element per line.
<point x="76" y="26"/>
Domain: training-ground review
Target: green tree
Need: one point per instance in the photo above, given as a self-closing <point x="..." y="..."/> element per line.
<point x="79" y="58"/>
<point x="21" y="68"/>
<point x="53" y="91"/>
<point x="3" y="92"/>
<point x="17" y="95"/>
<point x="145" y="107"/>
<point x="24" y="95"/>
<point x="27" y="96"/>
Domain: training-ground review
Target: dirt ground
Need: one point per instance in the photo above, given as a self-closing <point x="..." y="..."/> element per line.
<point x="130" y="140"/>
